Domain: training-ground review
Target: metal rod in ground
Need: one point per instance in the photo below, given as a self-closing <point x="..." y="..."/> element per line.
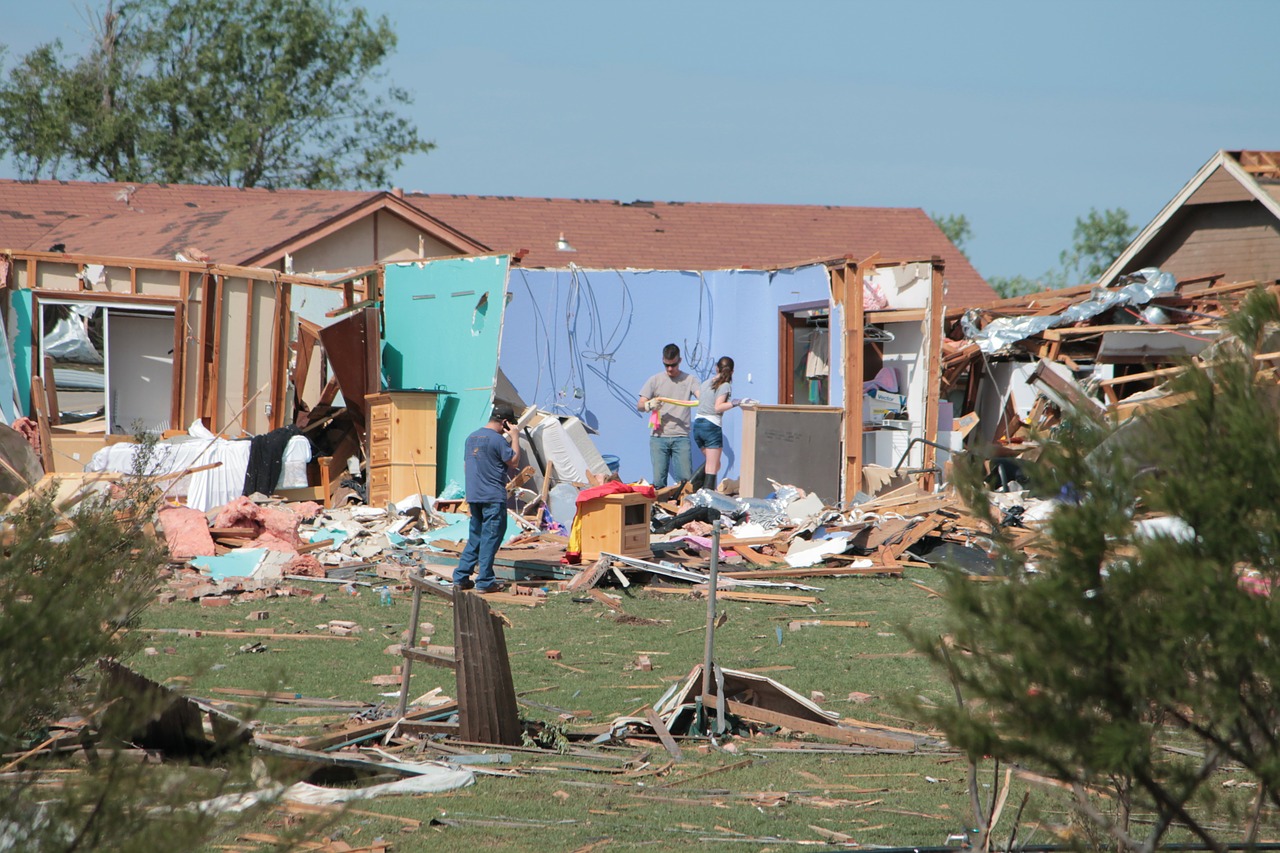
<point x="711" y="607"/>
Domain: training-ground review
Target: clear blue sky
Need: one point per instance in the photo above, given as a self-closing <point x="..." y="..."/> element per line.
<point x="1020" y="115"/>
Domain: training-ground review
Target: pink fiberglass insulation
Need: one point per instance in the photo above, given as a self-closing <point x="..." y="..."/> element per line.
<point x="274" y="528"/>
<point x="187" y="532"/>
<point x="306" y="565"/>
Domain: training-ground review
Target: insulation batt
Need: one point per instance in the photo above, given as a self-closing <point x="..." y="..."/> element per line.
<point x="275" y="529"/>
<point x="186" y="531"/>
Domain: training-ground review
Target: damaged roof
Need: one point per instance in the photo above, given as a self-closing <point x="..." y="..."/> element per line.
<point x="229" y="224"/>
<point x="256" y="226"/>
<point x="607" y="234"/>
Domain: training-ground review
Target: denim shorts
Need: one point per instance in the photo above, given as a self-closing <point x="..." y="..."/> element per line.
<point x="706" y="434"/>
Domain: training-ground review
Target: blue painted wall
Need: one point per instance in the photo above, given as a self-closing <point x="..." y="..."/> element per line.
<point x="582" y="342"/>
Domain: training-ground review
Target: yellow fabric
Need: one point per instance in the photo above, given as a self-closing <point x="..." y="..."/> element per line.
<point x="575" y="536"/>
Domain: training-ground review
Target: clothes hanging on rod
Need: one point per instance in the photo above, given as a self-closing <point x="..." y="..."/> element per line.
<point x="817" y="361"/>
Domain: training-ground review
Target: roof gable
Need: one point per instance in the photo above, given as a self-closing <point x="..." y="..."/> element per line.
<point x="1222" y="179"/>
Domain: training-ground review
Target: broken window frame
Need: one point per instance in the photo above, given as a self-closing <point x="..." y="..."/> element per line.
<point x="130" y="302"/>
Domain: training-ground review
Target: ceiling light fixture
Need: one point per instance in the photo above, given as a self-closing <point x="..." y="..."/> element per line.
<point x="562" y="245"/>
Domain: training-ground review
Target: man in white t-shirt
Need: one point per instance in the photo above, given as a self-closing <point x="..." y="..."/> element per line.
<point x="669" y="441"/>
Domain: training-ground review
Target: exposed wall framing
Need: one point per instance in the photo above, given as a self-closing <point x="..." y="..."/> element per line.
<point x="847" y="280"/>
<point x="232" y="327"/>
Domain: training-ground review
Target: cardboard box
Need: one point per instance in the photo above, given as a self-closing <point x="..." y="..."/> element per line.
<point x="881" y="404"/>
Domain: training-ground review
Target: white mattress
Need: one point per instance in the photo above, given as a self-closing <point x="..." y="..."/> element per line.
<point x="205" y="490"/>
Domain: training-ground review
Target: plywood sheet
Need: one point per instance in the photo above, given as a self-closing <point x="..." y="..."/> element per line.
<point x="791" y="444"/>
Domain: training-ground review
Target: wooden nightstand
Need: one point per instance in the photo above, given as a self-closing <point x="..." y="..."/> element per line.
<point x="616" y="524"/>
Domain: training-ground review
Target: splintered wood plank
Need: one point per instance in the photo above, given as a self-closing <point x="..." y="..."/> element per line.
<point x="755" y="597"/>
<point x="812" y="572"/>
<point x="918" y="531"/>
<point x="752" y="557"/>
<point x="345" y="735"/>
<point x="486" y="695"/>
<point x="664" y="735"/>
<point x="753" y="714"/>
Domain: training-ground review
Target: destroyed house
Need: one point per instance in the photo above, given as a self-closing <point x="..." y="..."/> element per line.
<point x="1107" y="348"/>
<point x="232" y="354"/>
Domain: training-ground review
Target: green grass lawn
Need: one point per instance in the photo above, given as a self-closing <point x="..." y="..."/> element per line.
<point x="874" y="799"/>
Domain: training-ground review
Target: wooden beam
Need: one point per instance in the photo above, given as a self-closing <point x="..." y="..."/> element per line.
<point x="280" y="353"/>
<point x="51" y="393"/>
<point x="446" y="661"/>
<point x="664" y="734"/>
<point x="814" y="572"/>
<point x="848" y="280"/>
<point x="40" y="402"/>
<point x="248" y="354"/>
<point x="754" y="714"/>
<point x="933" y="372"/>
<point x="178" y="374"/>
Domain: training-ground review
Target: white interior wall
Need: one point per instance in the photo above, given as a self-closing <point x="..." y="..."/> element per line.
<point x="906" y="286"/>
<point x="906" y="353"/>
<point x="139" y="365"/>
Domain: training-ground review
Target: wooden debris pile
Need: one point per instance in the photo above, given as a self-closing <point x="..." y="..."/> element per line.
<point x="1105" y="352"/>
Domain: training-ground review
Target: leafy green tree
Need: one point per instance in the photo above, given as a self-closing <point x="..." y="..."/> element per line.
<point x="1098" y="239"/>
<point x="1124" y="640"/>
<point x="249" y="93"/>
<point x="956" y="227"/>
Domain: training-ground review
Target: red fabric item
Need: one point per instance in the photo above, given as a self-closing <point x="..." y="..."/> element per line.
<point x="186" y="531"/>
<point x="615" y="488"/>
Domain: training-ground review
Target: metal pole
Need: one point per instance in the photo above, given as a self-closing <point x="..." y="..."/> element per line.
<point x="711" y="607"/>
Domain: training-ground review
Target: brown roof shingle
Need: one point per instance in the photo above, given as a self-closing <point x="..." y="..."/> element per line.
<point x="230" y="224"/>
<point x="236" y="226"/>
<point x="701" y="235"/>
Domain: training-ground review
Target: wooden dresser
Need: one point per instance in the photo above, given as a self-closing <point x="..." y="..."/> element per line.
<point x="402" y="445"/>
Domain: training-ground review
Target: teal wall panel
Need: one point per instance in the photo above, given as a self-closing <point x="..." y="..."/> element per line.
<point x="442" y="323"/>
<point x="21" y="345"/>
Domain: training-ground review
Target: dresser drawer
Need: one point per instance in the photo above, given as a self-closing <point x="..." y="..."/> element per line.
<point x="635" y="540"/>
<point x="380" y="435"/>
<point x="380" y="453"/>
<point x="380" y="478"/>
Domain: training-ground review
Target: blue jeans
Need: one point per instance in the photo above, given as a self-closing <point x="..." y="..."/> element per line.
<point x="707" y="434"/>
<point x="669" y="453"/>
<point x="488" y="526"/>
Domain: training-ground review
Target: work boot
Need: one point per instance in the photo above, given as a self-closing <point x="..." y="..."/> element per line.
<point x="709" y="481"/>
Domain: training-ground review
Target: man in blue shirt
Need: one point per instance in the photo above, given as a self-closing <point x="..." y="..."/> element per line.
<point x="492" y="452"/>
